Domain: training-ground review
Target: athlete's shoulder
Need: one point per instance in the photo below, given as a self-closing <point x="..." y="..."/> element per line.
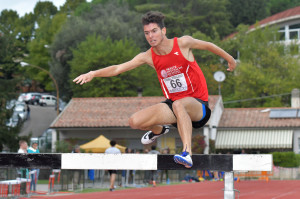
<point x="185" y="41"/>
<point x="145" y="57"/>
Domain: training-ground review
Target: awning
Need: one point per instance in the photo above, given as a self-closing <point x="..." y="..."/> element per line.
<point x="254" y="139"/>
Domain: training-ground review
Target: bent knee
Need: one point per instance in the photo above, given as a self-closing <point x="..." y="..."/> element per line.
<point x="177" y="106"/>
<point x="134" y="122"/>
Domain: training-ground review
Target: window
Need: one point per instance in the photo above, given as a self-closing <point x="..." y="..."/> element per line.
<point x="295" y="26"/>
<point x="294" y="35"/>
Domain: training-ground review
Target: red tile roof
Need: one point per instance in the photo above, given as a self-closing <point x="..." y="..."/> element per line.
<point x="279" y="17"/>
<point x="106" y="111"/>
<point x="282" y="16"/>
<point x="254" y="117"/>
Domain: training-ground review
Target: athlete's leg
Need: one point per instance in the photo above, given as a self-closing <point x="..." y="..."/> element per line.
<point x="187" y="110"/>
<point x="152" y="118"/>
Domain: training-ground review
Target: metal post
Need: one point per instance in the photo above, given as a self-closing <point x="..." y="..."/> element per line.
<point x="229" y="186"/>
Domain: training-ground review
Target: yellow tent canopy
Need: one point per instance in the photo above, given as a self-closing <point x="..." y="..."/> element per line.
<point x="99" y="145"/>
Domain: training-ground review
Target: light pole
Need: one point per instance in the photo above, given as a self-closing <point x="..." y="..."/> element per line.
<point x="23" y="64"/>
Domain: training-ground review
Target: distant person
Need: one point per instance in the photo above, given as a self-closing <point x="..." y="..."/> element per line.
<point x="76" y="149"/>
<point x="124" y="172"/>
<point x="23" y="149"/>
<point x="153" y="172"/>
<point x="76" y="173"/>
<point x="243" y="151"/>
<point x="34" y="177"/>
<point x="165" y="152"/>
<point x="112" y="173"/>
<point x="23" y="146"/>
<point x="33" y="148"/>
<point x="28" y="112"/>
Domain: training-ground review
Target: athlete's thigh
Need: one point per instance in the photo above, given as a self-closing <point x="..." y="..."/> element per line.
<point x="193" y="107"/>
<point x="157" y="114"/>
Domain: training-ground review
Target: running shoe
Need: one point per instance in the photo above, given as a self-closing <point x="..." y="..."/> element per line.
<point x="184" y="158"/>
<point x="150" y="137"/>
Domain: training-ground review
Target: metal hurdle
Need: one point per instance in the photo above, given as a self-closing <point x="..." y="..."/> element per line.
<point x="228" y="163"/>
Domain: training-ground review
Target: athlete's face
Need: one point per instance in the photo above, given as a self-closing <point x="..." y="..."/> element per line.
<point x="154" y="34"/>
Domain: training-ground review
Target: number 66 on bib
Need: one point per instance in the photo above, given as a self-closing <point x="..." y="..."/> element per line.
<point x="176" y="83"/>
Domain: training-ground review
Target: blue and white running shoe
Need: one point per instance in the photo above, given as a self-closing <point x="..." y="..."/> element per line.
<point x="150" y="137"/>
<point x="184" y="158"/>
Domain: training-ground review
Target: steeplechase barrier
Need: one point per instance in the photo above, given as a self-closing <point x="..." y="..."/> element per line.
<point x="227" y="163"/>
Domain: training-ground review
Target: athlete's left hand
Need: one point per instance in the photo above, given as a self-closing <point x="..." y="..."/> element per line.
<point x="231" y="64"/>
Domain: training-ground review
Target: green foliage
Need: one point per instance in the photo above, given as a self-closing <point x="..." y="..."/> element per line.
<point x="265" y="69"/>
<point x="187" y="17"/>
<point x="71" y="5"/>
<point x="95" y="53"/>
<point x="276" y="6"/>
<point x="12" y="46"/>
<point x="63" y="147"/>
<point x="108" y="20"/>
<point x="247" y="11"/>
<point x="39" y="49"/>
<point x="45" y="8"/>
<point x="286" y="159"/>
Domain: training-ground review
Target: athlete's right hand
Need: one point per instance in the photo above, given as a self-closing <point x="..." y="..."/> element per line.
<point x="84" y="78"/>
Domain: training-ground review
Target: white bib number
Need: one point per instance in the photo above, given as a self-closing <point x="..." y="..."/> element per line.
<point x="176" y="83"/>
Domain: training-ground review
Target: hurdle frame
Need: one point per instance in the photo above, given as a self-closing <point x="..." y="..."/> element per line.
<point x="227" y="163"/>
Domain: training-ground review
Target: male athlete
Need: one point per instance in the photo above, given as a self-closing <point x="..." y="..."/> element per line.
<point x="181" y="80"/>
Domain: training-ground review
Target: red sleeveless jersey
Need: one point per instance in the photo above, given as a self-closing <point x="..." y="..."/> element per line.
<point x="179" y="77"/>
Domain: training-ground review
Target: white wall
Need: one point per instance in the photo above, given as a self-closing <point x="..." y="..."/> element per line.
<point x="296" y="142"/>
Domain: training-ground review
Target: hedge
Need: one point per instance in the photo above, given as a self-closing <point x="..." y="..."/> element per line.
<point x="286" y="159"/>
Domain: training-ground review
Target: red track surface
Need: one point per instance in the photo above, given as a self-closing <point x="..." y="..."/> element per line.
<point x="204" y="190"/>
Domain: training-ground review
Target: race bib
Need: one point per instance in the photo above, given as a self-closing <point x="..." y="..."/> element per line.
<point x="176" y="83"/>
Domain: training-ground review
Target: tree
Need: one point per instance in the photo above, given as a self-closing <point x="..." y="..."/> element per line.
<point x="95" y="53"/>
<point x="8" y="88"/>
<point x="266" y="68"/>
<point x="108" y="20"/>
<point x="187" y="17"/>
<point x="39" y="53"/>
<point x="44" y="9"/>
<point x="247" y="11"/>
<point x="71" y="5"/>
<point x="276" y="6"/>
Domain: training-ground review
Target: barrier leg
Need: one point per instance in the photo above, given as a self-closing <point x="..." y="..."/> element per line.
<point x="229" y="186"/>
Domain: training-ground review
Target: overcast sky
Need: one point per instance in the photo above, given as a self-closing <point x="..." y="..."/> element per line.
<point x="25" y="6"/>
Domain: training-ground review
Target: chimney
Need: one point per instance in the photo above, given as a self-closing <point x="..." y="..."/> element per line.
<point x="295" y="99"/>
<point x="140" y="91"/>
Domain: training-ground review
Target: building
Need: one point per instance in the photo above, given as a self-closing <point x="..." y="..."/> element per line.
<point x="261" y="129"/>
<point x="86" y="118"/>
<point x="288" y="23"/>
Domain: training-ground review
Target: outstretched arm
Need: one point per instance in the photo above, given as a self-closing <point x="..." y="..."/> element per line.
<point x="111" y="71"/>
<point x="192" y="43"/>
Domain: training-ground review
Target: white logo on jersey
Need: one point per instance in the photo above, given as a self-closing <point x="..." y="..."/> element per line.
<point x="164" y="73"/>
<point x="176" y="53"/>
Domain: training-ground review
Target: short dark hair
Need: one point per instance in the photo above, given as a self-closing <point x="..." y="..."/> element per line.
<point x="153" y="147"/>
<point x="113" y="143"/>
<point x="154" y="17"/>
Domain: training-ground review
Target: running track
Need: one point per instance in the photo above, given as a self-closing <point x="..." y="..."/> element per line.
<point x="205" y="190"/>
